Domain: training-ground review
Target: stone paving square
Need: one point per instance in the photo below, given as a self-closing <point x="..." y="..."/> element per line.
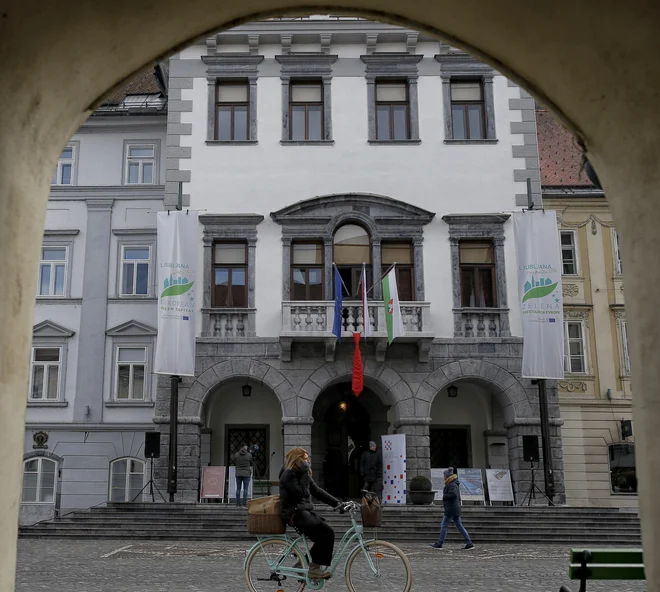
<point x="160" y="566"/>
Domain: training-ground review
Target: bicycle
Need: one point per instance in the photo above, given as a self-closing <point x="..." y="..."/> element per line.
<point x="371" y="564"/>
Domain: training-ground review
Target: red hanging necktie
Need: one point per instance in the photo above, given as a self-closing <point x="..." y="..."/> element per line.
<point x="358" y="378"/>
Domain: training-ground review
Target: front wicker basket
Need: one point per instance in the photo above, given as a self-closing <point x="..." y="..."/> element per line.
<point x="265" y="524"/>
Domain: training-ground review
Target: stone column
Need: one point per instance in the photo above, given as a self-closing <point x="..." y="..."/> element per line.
<point x="418" y="260"/>
<point x="286" y="268"/>
<point x="207" y="329"/>
<point x="418" y="445"/>
<point x="327" y="268"/>
<point x="414" y="108"/>
<point x="376" y="268"/>
<point x="297" y="433"/>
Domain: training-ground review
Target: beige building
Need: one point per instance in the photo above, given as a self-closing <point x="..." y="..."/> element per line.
<point x="596" y="395"/>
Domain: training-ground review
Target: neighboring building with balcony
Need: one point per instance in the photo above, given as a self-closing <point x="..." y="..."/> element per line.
<point x="321" y="142"/>
<point x="595" y="395"/>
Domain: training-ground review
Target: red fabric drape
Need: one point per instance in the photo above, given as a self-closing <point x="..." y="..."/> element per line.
<point x="358" y="378"/>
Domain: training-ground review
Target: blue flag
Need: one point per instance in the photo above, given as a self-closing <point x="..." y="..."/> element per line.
<point x="336" y="327"/>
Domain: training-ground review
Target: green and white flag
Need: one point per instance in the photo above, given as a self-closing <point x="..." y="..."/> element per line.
<point x="392" y="309"/>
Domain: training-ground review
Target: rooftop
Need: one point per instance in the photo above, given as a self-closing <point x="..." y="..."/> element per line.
<point x="142" y="94"/>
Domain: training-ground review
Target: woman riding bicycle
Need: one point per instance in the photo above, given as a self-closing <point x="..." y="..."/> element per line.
<point x="296" y="490"/>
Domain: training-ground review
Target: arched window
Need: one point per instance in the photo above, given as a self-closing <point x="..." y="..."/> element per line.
<point x="352" y="248"/>
<point x="39" y="477"/>
<point x="623" y="474"/>
<point x="126" y="479"/>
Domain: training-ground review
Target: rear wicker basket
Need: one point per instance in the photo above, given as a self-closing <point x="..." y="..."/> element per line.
<point x="264" y="516"/>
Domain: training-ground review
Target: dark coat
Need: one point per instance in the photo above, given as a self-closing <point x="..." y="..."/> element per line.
<point x="451" y="498"/>
<point x="371" y="466"/>
<point x="243" y="461"/>
<point x="296" y="491"/>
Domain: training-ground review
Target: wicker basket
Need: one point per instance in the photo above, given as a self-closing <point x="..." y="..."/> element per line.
<point x="264" y="516"/>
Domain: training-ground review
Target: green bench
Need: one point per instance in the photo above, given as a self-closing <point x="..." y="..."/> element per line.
<point x="605" y="564"/>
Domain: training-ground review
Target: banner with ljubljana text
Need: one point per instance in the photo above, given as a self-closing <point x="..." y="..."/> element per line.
<point x="540" y="293"/>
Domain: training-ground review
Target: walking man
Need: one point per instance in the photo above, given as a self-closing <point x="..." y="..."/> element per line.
<point x="451" y="499"/>
<point x="243" y="461"/>
<point x="371" y="468"/>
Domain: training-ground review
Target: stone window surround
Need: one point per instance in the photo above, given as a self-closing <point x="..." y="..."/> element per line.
<point x="300" y="67"/>
<point x="155" y="142"/>
<point x="232" y="67"/>
<point x="392" y="66"/>
<point x="314" y="229"/>
<point x="132" y="341"/>
<point x="61" y="238"/>
<point x="37" y="455"/>
<point x="463" y="67"/>
<point x="144" y="237"/>
<point x="75" y="144"/>
<point x="580" y="314"/>
<point x="479" y="227"/>
<point x="229" y="227"/>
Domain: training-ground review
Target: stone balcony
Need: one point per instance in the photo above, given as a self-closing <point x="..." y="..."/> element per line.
<point x="481" y="322"/>
<point x="228" y="322"/>
<point x="311" y="321"/>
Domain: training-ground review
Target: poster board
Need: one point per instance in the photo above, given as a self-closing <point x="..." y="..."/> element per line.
<point x="213" y="483"/>
<point x="438" y="481"/>
<point x="499" y="485"/>
<point x="472" y="485"/>
<point x="394" y="469"/>
<point x="232" y="485"/>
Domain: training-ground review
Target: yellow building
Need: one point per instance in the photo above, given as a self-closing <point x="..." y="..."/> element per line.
<point x="596" y="395"/>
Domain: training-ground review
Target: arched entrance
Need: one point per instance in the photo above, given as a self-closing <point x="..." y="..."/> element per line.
<point x="343" y="426"/>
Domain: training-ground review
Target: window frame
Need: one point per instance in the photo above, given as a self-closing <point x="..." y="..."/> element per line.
<point x="127" y="495"/>
<point x="145" y="386"/>
<point x="625" y="352"/>
<point x="46" y="366"/>
<point x="306" y="82"/>
<point x="73" y="161"/>
<point x="248" y="88"/>
<point x="294" y="266"/>
<point x="214" y="265"/>
<point x="406" y="266"/>
<point x="567" y="351"/>
<point x="391" y="105"/>
<point x="618" y="264"/>
<point x="609" y="466"/>
<point x="475" y="268"/>
<point x="574" y="246"/>
<point x="466" y="104"/>
<point x="52" y="265"/>
<point x="155" y="145"/>
<point x="122" y="261"/>
<point x="354" y="268"/>
<point x="40" y="461"/>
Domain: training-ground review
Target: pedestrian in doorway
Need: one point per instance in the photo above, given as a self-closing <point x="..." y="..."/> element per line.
<point x="243" y="461"/>
<point x="371" y="468"/>
<point x="451" y="499"/>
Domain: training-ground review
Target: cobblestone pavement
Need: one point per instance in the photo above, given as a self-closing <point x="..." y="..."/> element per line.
<point x="159" y="566"/>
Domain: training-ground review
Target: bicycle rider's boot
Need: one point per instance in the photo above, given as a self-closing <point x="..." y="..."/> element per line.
<point x="315" y="572"/>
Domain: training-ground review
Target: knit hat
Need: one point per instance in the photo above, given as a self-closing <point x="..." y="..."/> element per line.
<point x="448" y="472"/>
<point x="372" y="443"/>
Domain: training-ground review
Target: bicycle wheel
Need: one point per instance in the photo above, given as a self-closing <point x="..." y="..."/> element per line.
<point x="391" y="570"/>
<point x="262" y="563"/>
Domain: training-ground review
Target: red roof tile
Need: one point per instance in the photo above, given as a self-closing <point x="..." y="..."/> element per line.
<point x="559" y="155"/>
<point x="144" y="83"/>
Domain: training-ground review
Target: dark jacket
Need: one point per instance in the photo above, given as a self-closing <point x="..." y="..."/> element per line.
<point x="296" y="491"/>
<point x="371" y="466"/>
<point x="243" y="461"/>
<point x="451" y="498"/>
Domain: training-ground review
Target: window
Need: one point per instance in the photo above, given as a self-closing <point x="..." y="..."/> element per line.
<point x="135" y="270"/>
<point x="39" y="480"/>
<point x="45" y="373"/>
<point x="306" y="111"/>
<point x="232" y="107"/>
<point x="402" y="255"/>
<point x="352" y="250"/>
<point x="64" y="170"/>
<point x="230" y="275"/>
<point x="467" y="110"/>
<point x="477" y="266"/>
<point x="392" y="111"/>
<point x="52" y="271"/>
<point x="618" y="266"/>
<point x="624" y="347"/>
<point x="307" y="271"/>
<point x="126" y="479"/>
<point x="131" y="364"/>
<point x="623" y="474"/>
<point x="568" y="253"/>
<point x="574" y="351"/>
<point x="140" y="164"/>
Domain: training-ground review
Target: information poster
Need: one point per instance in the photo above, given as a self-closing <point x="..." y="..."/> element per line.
<point x="472" y="485"/>
<point x="394" y="469"/>
<point x="213" y="482"/>
<point x="438" y="481"/>
<point x="499" y="485"/>
<point x="232" y="486"/>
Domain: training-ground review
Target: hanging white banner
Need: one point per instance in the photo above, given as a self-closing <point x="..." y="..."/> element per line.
<point x="177" y="277"/>
<point x="394" y="469"/>
<point x="540" y="294"/>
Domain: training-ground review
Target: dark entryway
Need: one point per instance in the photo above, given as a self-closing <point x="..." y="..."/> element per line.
<point x="451" y="447"/>
<point x="252" y="435"/>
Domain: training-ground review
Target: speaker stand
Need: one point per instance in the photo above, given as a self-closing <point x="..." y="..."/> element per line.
<point x="151" y="484"/>
<point x="533" y="489"/>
